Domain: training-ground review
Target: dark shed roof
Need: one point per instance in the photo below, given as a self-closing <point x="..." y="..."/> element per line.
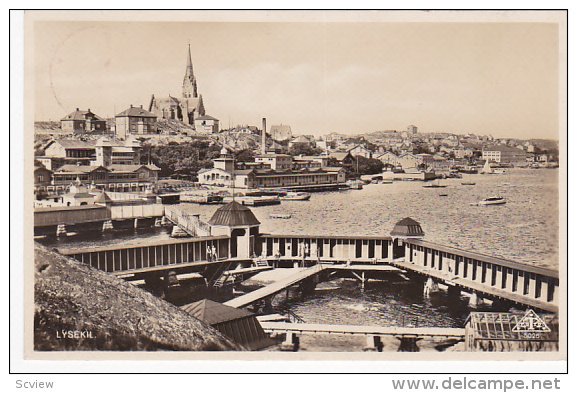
<point x="232" y="215"/>
<point x="407" y="227"/>
<point x="214" y="313"/>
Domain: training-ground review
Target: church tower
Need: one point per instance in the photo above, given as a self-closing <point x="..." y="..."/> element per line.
<point x="189" y="82"/>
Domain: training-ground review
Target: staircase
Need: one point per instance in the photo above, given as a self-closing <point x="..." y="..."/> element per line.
<point x="258" y="262"/>
<point x="219" y="283"/>
<point x="190" y="223"/>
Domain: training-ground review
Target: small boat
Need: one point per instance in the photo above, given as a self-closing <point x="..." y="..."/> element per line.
<point x="495" y="200"/>
<point x="434" y="185"/>
<point x="355" y="184"/>
<point x="280" y="216"/>
<point x="487" y="170"/>
<point x="468" y="183"/>
<point x="295" y="196"/>
<point x="258" y="200"/>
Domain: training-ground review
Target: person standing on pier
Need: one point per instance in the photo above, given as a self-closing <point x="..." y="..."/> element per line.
<point x="208" y="253"/>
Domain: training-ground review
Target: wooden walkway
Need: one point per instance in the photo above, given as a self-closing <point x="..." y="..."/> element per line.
<point x="275" y="287"/>
<point x="476" y="286"/>
<point x="311" y="328"/>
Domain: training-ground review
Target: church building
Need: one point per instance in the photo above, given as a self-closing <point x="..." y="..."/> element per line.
<point x="188" y="108"/>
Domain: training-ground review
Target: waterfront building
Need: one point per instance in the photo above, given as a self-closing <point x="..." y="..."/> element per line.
<point x="281" y="132"/>
<point x="77" y="195"/>
<point x="120" y="178"/>
<point x="189" y="107"/>
<point x="408" y="160"/>
<point x="240" y="224"/>
<point x="499" y="332"/>
<point x="82" y="121"/>
<point x="269" y="178"/>
<point x="135" y="121"/>
<point x="504" y="154"/>
<point x="241" y="326"/>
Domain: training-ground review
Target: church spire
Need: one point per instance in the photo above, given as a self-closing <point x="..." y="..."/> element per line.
<point x="189" y="71"/>
<point x="189" y="82"/>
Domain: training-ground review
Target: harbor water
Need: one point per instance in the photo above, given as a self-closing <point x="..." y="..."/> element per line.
<point x="525" y="229"/>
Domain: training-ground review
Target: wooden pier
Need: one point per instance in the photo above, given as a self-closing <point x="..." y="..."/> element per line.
<point x="395" y="331"/>
<point x="274" y="288"/>
<point x="483" y="275"/>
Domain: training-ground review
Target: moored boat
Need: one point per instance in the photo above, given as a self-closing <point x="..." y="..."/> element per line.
<point x="434" y="185"/>
<point x="295" y="196"/>
<point x="285" y="216"/>
<point x="495" y="200"/>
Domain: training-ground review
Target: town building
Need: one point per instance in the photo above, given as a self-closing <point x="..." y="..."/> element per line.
<point x="188" y="108"/>
<point x="67" y="151"/>
<point x="411" y="129"/>
<point x="408" y="161"/>
<point x="277" y="162"/>
<point x="281" y="132"/>
<point x="344" y="159"/>
<point x="104" y="151"/>
<point x="302" y="140"/>
<point x="504" y="154"/>
<point x="360" y="150"/>
<point x="82" y="121"/>
<point x="206" y="123"/>
<point x="388" y="158"/>
<point x="42" y="179"/>
<point x="134" y="121"/>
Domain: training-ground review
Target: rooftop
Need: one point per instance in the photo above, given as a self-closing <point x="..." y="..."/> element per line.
<point x="232" y="215"/>
<point x="136" y="112"/>
<point x="214" y="313"/>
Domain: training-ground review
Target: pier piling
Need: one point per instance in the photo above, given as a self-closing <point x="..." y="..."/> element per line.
<point x="61" y="230"/>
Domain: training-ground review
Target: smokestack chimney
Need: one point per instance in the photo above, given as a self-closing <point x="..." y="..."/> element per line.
<point x="263" y="136"/>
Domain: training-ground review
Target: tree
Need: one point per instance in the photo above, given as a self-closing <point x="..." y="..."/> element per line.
<point x="244" y="155"/>
<point x="304" y="149"/>
<point x="367" y="166"/>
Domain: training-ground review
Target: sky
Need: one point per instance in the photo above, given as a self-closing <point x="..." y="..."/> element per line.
<point x="485" y="78"/>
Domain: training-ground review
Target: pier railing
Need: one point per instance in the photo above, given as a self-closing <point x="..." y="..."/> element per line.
<point x="157" y="256"/>
<point x="363" y="249"/>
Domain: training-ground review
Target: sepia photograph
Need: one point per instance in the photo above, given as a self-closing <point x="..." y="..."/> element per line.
<point x="296" y="184"/>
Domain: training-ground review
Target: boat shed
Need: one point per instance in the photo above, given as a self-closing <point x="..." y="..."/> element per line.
<point x="239" y="325"/>
<point x="507" y="332"/>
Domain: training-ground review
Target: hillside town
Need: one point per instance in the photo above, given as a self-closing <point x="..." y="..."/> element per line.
<point x="128" y="152"/>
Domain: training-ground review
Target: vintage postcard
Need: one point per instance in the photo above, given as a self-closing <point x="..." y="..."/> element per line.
<point x="296" y="185"/>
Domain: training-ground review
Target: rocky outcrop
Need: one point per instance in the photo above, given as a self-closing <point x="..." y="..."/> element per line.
<point x="81" y="308"/>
